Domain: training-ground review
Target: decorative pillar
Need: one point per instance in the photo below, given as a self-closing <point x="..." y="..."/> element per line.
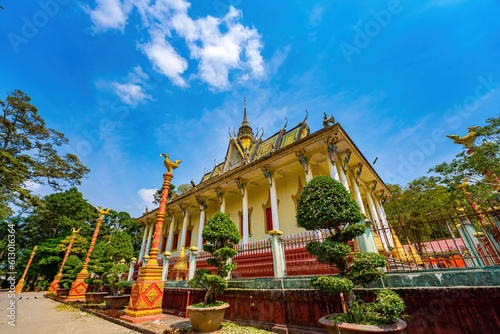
<point x="131" y="270"/>
<point x="20" y="284"/>
<point x="244" y="195"/>
<point x="147" y="292"/>
<point x="146" y="229"/>
<point x="203" y="208"/>
<point x="79" y="287"/>
<point x="274" y="197"/>
<point x="366" y="242"/>
<point x="384" y="223"/>
<point x="146" y="259"/>
<point x="55" y="283"/>
<point x="376" y="220"/>
<point x="220" y="196"/>
<point x="342" y="176"/>
<point x="278" y="254"/>
<point x="170" y="234"/>
<point x="185" y="223"/>
<point x="164" y="272"/>
<point x="303" y="161"/>
<point x="330" y="160"/>
<point x="192" y="262"/>
<point x="148" y="245"/>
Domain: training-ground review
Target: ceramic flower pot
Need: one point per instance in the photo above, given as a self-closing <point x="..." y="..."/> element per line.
<point x="117" y="302"/>
<point x="62" y="292"/>
<point x="346" y="328"/>
<point x="206" y="319"/>
<point x="95" y="297"/>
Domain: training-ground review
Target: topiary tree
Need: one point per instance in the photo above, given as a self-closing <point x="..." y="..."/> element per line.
<point x="221" y="235"/>
<point x="71" y="268"/>
<point x="325" y="204"/>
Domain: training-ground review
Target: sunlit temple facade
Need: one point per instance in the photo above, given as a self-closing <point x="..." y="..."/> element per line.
<point x="259" y="183"/>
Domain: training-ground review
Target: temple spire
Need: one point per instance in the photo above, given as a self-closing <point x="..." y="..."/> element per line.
<point x="245" y="131"/>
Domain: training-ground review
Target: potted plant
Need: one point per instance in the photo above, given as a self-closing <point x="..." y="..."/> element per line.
<point x="326" y="205"/>
<point x="117" y="300"/>
<point x="221" y="236"/>
<point x="98" y="270"/>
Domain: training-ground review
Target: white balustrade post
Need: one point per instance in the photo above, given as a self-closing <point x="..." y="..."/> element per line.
<point x="192" y="262"/>
<point x="278" y="254"/>
<point x="164" y="272"/>
<point x="146" y="259"/>
<point x="131" y="269"/>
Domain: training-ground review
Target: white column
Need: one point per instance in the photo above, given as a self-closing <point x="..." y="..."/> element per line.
<point x="146" y="228"/>
<point x="366" y="242"/>
<point x="164" y="272"/>
<point x="223" y="204"/>
<point x="357" y="193"/>
<point x="341" y="175"/>
<point x="385" y="223"/>
<point x="376" y="219"/>
<point x="333" y="170"/>
<point x="185" y="223"/>
<point x="170" y="234"/>
<point x="274" y="204"/>
<point x="202" y="224"/>
<point x="245" y="215"/>
<point x="151" y="228"/>
<point x="131" y="269"/>
<point x="163" y="230"/>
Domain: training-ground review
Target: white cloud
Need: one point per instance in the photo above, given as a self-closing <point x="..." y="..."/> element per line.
<point x="132" y="90"/>
<point x="32" y="186"/>
<point x="166" y="60"/>
<point x="147" y="197"/>
<point x="221" y="46"/>
<point x="109" y="14"/>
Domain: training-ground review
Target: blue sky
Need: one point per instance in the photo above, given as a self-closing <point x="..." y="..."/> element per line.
<point x="127" y="80"/>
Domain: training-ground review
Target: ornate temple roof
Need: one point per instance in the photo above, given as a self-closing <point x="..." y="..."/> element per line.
<point x="245" y="147"/>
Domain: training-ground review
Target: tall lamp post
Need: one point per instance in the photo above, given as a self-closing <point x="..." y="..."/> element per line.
<point x="147" y="291"/>
<point x="20" y="284"/>
<point x="79" y="287"/>
<point x="55" y="283"/>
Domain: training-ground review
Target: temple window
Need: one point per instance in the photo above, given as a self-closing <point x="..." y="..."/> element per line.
<point x="188" y="238"/>
<point x="175" y="242"/>
<point x="164" y="244"/>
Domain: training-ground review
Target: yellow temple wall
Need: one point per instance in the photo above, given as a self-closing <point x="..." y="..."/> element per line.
<point x="286" y="189"/>
<point x="257" y="197"/>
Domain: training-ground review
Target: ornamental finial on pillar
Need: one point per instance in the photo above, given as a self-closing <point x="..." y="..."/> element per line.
<point x="169" y="164"/>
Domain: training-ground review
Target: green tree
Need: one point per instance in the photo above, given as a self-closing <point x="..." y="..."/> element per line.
<point x="116" y="222"/>
<point x="325" y="204"/>
<point x="171" y="194"/>
<point x="221" y="235"/>
<point x="481" y="168"/>
<point x="120" y="247"/>
<point x="28" y="154"/>
<point x="59" y="213"/>
<point x="71" y="268"/>
<point x="183" y="188"/>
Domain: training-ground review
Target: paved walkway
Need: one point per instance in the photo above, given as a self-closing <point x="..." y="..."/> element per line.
<point x="36" y="314"/>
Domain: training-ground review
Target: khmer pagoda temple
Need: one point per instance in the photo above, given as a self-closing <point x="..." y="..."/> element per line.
<point x="260" y="181"/>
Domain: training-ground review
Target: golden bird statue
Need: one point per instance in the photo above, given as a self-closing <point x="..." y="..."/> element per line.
<point x="463" y="186"/>
<point x="169" y="164"/>
<point x="103" y="212"/>
<point x="468" y="140"/>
